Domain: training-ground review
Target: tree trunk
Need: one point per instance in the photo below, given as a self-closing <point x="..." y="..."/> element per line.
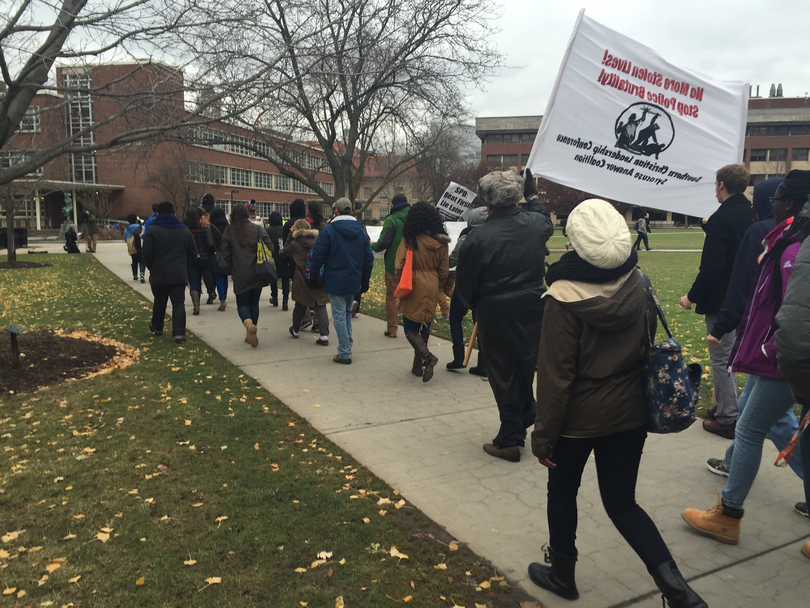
<point x="12" y="250"/>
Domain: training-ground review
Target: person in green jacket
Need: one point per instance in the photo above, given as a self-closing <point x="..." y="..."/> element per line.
<point x="389" y="240"/>
<point x="90" y="231"/>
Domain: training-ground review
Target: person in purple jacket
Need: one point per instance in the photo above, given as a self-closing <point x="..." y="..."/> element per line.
<point x="754" y="353"/>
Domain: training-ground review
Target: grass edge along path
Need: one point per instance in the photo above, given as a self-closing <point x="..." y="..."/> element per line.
<point x="181" y="481"/>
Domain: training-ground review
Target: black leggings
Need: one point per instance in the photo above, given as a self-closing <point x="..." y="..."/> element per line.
<point x="617" y="460"/>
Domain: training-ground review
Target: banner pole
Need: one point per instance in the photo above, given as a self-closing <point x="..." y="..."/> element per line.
<point x="470" y="347"/>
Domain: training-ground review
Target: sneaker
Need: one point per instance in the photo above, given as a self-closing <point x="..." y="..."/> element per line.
<point x="322" y="342"/>
<point x="143" y="280"/>
<point x="134" y="278"/>
<point x="801" y="509"/>
<point x="717" y="467"/>
<point x="179" y="339"/>
<point x="157" y="332"/>
<point x="212" y="297"/>
<point x="444" y="317"/>
<point x="355" y="307"/>
<point x="293" y="333"/>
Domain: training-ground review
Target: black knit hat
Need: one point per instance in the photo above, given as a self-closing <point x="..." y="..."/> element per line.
<point x="298" y="208"/>
<point x="208" y="202"/>
<point x="398" y="198"/>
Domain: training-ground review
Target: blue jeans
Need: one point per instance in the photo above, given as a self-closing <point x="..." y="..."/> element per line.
<point x="137" y="260"/>
<point x="342" y="322"/>
<point x="767" y="402"/>
<point x="195" y="275"/>
<point x="247" y="304"/>
<point x="408" y="326"/>
<point x="780" y="433"/>
<point x="222" y="285"/>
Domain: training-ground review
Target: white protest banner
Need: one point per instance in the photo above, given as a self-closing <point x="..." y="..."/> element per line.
<point x="455" y="201"/>
<point x="624" y="124"/>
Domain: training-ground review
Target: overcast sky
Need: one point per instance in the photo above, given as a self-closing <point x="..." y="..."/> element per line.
<point x="759" y="42"/>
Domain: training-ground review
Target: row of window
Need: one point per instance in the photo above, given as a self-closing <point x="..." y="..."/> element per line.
<point x="9" y="158"/>
<point x="777" y="130"/>
<point x="761" y="155"/>
<point x="237" y="144"/>
<point x="507" y="160"/>
<point x="217" y="174"/>
<point x="511" y="138"/>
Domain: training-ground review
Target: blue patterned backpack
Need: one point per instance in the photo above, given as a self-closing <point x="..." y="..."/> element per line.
<point x="671" y="387"/>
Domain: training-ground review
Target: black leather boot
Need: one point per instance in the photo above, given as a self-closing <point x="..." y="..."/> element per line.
<point x="422" y="353"/>
<point x="557" y="578"/>
<point x="481" y="368"/>
<point x="284" y="305"/>
<point x="674" y="588"/>
<point x="458" y="357"/>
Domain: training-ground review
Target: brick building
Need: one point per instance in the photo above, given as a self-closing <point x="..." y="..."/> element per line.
<point x="119" y="98"/>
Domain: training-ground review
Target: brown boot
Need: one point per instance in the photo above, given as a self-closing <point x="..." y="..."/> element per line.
<point x="251" y="337"/>
<point x="195" y="302"/>
<point x="806" y="549"/>
<point x="721" y="521"/>
<point x="222" y="305"/>
<point x="422" y="355"/>
<point x="417" y="370"/>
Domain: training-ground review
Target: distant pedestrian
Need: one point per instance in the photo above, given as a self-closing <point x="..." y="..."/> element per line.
<point x="344" y="253"/>
<point x="90" y="231"/>
<point x="255" y="219"/>
<point x="239" y="244"/>
<point x="70" y="240"/>
<point x="390" y="237"/>
<point x="202" y="240"/>
<point x="298" y="245"/>
<point x="424" y="234"/>
<point x="132" y="237"/>
<point x="168" y="251"/>
<point x="724" y="231"/>
<point x="219" y="223"/>
<point x="315" y="215"/>
<point x="275" y="230"/>
<point x="642" y="228"/>
<point x="208" y="277"/>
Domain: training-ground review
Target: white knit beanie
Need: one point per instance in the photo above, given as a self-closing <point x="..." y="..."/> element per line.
<point x="599" y="234"/>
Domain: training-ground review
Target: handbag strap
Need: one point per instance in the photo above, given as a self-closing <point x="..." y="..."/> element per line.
<point x="648" y="290"/>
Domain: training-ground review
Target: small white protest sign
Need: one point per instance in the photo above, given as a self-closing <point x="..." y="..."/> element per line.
<point x="455" y="201"/>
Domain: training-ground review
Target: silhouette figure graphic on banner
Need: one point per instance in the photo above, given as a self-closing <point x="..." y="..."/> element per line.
<point x="641" y="136"/>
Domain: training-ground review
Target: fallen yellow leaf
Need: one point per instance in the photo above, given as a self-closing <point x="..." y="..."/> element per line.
<point x="69" y="537"/>
<point x="255" y="446"/>
<point x="75" y="579"/>
<point x="140" y="582"/>
<point x="214" y="580"/>
<point x="102" y="536"/>
<point x="440" y="566"/>
<point x="9" y="590"/>
<point x="484" y="585"/>
<point x="188" y="422"/>
<point x="223" y="447"/>
<point x="395" y="553"/>
<point x="300" y="570"/>
<point x="79" y="516"/>
<point x="407" y="598"/>
<point x="453" y="547"/>
<point x="339" y="602"/>
<point x="222" y="518"/>
<point x="43" y="580"/>
<point x="21" y="593"/>
<point x="190" y="562"/>
<point x="197" y="504"/>
<point x="53" y="567"/>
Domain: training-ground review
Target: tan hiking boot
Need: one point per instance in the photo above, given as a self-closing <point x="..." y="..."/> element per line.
<point x="222" y="305"/>
<point x="251" y="336"/>
<point x="720" y="521"/>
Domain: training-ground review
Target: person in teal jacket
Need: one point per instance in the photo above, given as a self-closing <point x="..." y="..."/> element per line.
<point x="389" y="240"/>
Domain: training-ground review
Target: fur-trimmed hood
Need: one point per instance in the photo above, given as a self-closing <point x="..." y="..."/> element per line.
<point x="307" y="238"/>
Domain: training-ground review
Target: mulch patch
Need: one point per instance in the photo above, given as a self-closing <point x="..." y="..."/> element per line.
<point x="19" y="264"/>
<point x="47" y="359"/>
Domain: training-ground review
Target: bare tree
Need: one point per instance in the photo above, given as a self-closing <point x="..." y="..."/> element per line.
<point x="10" y="199"/>
<point x="364" y="85"/>
<point x="173" y="180"/>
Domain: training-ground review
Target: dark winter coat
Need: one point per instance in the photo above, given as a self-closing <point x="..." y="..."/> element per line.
<point x="589" y="367"/>
<point x="792" y="339"/>
<point x="276" y="234"/>
<point x="430" y="269"/>
<point x="745" y="264"/>
<point x="500" y="273"/>
<point x="344" y="252"/>
<point x="391" y="235"/>
<point x="297" y="246"/>
<point x="724" y="231"/>
<point x="168" y="250"/>
<point x="243" y="259"/>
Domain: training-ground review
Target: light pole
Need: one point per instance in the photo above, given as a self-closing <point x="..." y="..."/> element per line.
<point x="230" y="209"/>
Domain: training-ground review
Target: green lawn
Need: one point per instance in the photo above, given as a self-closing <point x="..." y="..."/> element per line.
<point x="142" y="486"/>
<point x="669" y="238"/>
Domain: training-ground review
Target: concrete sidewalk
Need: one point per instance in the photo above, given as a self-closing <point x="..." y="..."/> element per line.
<point x="425" y="439"/>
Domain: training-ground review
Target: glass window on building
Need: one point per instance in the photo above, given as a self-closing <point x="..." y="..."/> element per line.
<point x="756" y="131"/>
<point x="240" y="177"/>
<point x="524" y="158"/>
<point x="282" y="182"/>
<point x="366" y="192"/>
<point x="367" y="214"/>
<point x="494" y="159"/>
<point x="759" y="155"/>
<point x="383" y="213"/>
<point x="30" y="120"/>
<point x="494" y="139"/>
<point x="527" y="138"/>
<point x="780" y="131"/>
<point x="510" y="160"/>
<point x="263" y="180"/>
<point x="800" y="130"/>
<point x="798" y="154"/>
<point x="777" y="154"/>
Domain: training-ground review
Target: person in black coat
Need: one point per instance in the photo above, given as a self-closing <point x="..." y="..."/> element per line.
<point x="168" y="250"/>
<point x="504" y="283"/>
<point x="275" y="231"/>
<point x="217" y="227"/>
<point x="724" y="232"/>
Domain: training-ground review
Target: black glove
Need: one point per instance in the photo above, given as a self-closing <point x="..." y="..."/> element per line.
<point x="528" y="184"/>
<point x="364" y="287"/>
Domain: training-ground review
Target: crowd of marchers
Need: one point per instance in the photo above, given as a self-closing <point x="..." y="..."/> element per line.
<point x="579" y="327"/>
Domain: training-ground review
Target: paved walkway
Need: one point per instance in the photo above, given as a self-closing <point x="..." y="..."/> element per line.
<point x="425" y="439"/>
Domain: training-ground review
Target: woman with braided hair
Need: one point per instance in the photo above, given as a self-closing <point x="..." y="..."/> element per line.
<point x="423" y="233"/>
<point x="768" y="395"/>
